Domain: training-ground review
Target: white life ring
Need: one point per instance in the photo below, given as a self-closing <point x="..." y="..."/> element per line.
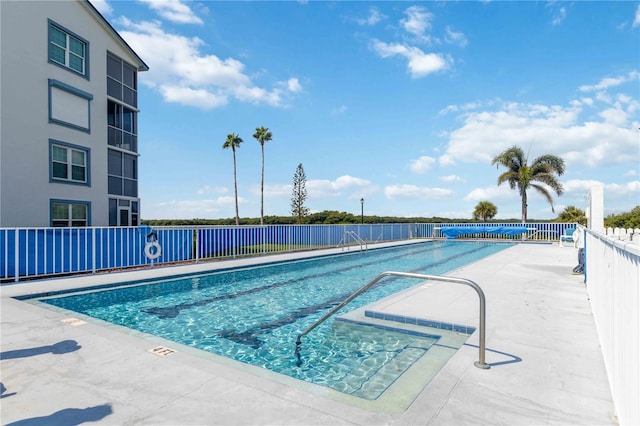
<point x="152" y="254"/>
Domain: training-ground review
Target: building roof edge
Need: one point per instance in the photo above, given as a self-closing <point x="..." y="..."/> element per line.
<point x="142" y="66"/>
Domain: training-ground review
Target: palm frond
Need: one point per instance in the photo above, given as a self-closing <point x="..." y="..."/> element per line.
<point x="542" y="190"/>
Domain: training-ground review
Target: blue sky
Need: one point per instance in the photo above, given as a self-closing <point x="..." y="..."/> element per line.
<point x="403" y="104"/>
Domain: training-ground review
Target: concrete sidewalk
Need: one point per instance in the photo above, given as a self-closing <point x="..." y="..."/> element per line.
<point x="546" y="364"/>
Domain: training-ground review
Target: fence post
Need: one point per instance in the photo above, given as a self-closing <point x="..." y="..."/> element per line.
<point x="16" y="256"/>
<point x="234" y="239"/>
<point x="195" y="233"/>
<point x="93" y="250"/>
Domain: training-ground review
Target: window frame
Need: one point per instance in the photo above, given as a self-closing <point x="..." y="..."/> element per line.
<point x="117" y="128"/>
<point x="73" y="91"/>
<point x="70" y="148"/>
<point x="131" y="205"/>
<point x="122" y="174"/>
<point x="70" y="220"/>
<point x="120" y="81"/>
<point x="68" y="34"/>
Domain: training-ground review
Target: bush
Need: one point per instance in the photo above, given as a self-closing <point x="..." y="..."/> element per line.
<point x="625" y="220"/>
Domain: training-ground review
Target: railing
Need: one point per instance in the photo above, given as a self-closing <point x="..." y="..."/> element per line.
<point x="624" y="234"/>
<point x="612" y="275"/>
<point x="481" y="357"/>
<point x="27" y="253"/>
<point x="354" y="237"/>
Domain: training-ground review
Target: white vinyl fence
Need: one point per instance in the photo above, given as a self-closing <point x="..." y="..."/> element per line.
<point x="612" y="275"/>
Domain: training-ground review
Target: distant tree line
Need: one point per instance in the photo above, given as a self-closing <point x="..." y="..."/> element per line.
<point x="326" y="217"/>
<point x="630" y="219"/>
<point x="624" y="220"/>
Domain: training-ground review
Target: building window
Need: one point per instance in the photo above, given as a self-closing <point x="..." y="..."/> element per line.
<point x="122" y="126"/>
<point x="66" y="213"/>
<point x="69" y="106"/>
<point x="123" y="212"/>
<point x="122" y="90"/>
<point x="122" y="80"/>
<point x="68" y="163"/>
<point x="122" y="174"/>
<point x="68" y="50"/>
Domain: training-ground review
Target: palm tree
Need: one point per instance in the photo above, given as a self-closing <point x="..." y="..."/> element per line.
<point x="572" y="214"/>
<point x="262" y="135"/>
<point x="484" y="211"/>
<point x="233" y="141"/>
<point x="544" y="169"/>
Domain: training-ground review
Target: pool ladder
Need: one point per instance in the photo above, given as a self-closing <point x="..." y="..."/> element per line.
<point x="354" y="237"/>
<point x="481" y="357"/>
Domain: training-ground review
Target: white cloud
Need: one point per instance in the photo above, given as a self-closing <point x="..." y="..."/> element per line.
<point x="374" y="17"/>
<point x="464" y="107"/>
<point x="614" y="116"/>
<point x="323" y="187"/>
<point x="419" y="63"/>
<point x="422" y="164"/>
<point x="452" y="178"/>
<point x="103" y="7"/>
<point x="455" y="37"/>
<point x="612" y="190"/>
<point x="446" y="160"/>
<point x="609" y="82"/>
<point x="418" y="22"/>
<point x="559" y="16"/>
<point x="192" y="97"/>
<point x="632" y="172"/>
<point x="183" y="74"/>
<point x="174" y="11"/>
<point x="559" y="130"/>
<point x="491" y="193"/>
<point x="189" y="209"/>
<point x="413" y="192"/>
<point x="636" y="20"/>
<point x="276" y="191"/>
<point x="208" y="190"/>
<point x="293" y="85"/>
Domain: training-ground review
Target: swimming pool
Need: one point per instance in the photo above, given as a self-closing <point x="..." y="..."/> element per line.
<point x="254" y="314"/>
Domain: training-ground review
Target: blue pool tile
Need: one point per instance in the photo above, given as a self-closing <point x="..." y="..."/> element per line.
<point x="420" y="322"/>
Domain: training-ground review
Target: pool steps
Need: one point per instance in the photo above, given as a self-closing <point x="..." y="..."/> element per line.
<point x="432" y="345"/>
<point x="480" y="363"/>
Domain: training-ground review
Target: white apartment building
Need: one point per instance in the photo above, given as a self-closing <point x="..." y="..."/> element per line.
<point x="68" y="117"/>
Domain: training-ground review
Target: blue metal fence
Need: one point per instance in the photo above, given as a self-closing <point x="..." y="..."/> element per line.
<point x="38" y="252"/>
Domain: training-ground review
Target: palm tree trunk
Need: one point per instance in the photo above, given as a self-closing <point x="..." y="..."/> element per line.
<point x="262" y="189"/>
<point x="524" y="207"/>
<point x="235" y="187"/>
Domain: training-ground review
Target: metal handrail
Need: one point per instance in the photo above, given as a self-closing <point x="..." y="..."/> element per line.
<point x="356" y="237"/>
<point x="481" y="357"/>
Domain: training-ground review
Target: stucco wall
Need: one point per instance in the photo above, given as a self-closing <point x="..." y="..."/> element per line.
<point x="25" y="131"/>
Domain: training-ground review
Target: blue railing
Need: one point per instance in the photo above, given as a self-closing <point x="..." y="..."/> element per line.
<point x="38" y="252"/>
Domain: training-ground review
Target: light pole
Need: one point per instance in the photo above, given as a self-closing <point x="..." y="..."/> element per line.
<point x="362" y="210"/>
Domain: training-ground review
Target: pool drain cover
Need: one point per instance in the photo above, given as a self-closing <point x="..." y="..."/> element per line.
<point x="161" y="351"/>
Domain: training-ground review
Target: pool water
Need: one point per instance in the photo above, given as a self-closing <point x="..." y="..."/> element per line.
<point x="254" y="315"/>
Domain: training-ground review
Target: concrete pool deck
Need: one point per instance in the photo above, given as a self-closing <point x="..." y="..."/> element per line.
<point x="542" y="345"/>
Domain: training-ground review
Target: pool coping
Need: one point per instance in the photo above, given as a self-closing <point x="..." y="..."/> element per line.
<point x="546" y="365"/>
